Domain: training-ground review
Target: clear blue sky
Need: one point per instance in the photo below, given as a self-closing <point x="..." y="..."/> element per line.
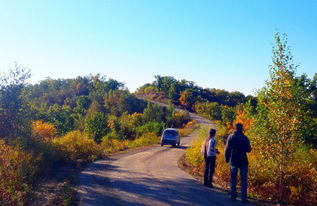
<point x="217" y="44"/>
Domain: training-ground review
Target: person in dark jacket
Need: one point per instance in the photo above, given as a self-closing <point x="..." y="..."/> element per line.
<point x="235" y="152"/>
<point x="210" y="152"/>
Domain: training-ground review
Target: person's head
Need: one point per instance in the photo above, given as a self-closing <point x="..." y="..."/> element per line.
<point x="212" y="132"/>
<point x="239" y="127"/>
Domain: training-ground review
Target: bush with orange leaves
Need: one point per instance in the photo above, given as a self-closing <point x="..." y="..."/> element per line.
<point x="45" y="130"/>
<point x="243" y="118"/>
<point x="300" y="177"/>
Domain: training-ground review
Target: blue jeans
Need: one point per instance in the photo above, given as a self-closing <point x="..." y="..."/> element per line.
<point x="244" y="181"/>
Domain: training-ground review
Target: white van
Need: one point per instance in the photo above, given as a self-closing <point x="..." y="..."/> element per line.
<point x="170" y="136"/>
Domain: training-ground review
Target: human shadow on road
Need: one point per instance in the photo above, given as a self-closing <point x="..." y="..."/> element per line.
<point x="96" y="189"/>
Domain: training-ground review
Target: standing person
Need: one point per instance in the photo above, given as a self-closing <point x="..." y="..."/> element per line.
<point x="236" y="148"/>
<point x="209" y="151"/>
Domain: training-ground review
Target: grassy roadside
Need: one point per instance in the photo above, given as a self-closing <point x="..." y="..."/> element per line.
<point x="192" y="162"/>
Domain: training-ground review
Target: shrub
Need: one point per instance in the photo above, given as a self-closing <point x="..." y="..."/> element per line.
<point x="188" y="128"/>
<point x="16" y="171"/>
<point x="96" y="126"/>
<point x="180" y="118"/>
<point x="77" y="146"/>
<point x="155" y="127"/>
<point x="114" y="135"/>
<point x="109" y="145"/>
<point x="145" y="139"/>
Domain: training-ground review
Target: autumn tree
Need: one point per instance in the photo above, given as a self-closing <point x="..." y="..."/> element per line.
<point x="45" y="130"/>
<point x="243" y="118"/>
<point x="186" y="99"/>
<point x="282" y="120"/>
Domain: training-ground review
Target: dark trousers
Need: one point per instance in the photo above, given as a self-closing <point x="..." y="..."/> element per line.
<point x="210" y="163"/>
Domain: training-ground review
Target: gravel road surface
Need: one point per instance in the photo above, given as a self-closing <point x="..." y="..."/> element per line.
<point x="148" y="176"/>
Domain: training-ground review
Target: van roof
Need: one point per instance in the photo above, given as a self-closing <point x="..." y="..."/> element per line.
<point x="171" y="129"/>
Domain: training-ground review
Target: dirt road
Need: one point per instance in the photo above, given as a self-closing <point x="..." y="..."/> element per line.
<point x="147" y="177"/>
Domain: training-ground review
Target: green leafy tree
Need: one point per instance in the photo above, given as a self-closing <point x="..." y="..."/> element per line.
<point x="96" y="126"/>
<point x="210" y="110"/>
<point x="82" y="104"/>
<point x="170" y="114"/>
<point x="61" y="117"/>
<point x="153" y="112"/>
<point x="119" y="101"/>
<point x="156" y="127"/>
<point x="227" y="113"/>
<point x="94" y="107"/>
<point x="173" y="94"/>
<point x="15" y="114"/>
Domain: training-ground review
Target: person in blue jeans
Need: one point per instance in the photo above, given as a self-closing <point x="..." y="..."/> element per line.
<point x="235" y="152"/>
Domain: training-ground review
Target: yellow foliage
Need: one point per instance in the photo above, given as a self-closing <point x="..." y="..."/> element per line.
<point x="78" y="146"/>
<point x="15" y="167"/>
<point x="185" y="98"/>
<point x="241" y="117"/>
<point x="193" y="156"/>
<point x="112" y="121"/>
<point x="188" y="128"/>
<point x="44" y="130"/>
<point x="112" y="145"/>
<point x="150" y="90"/>
<point x="145" y="139"/>
<point x="136" y="118"/>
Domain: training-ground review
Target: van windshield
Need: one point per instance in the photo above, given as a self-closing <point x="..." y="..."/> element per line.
<point x="170" y="133"/>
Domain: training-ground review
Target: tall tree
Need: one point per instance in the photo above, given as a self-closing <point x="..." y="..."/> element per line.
<point x="282" y="120"/>
<point x="14" y="111"/>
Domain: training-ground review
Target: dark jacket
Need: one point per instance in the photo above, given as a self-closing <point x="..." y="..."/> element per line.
<point x="236" y="148"/>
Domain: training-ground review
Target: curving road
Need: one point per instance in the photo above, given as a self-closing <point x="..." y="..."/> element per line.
<point x="146" y="177"/>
